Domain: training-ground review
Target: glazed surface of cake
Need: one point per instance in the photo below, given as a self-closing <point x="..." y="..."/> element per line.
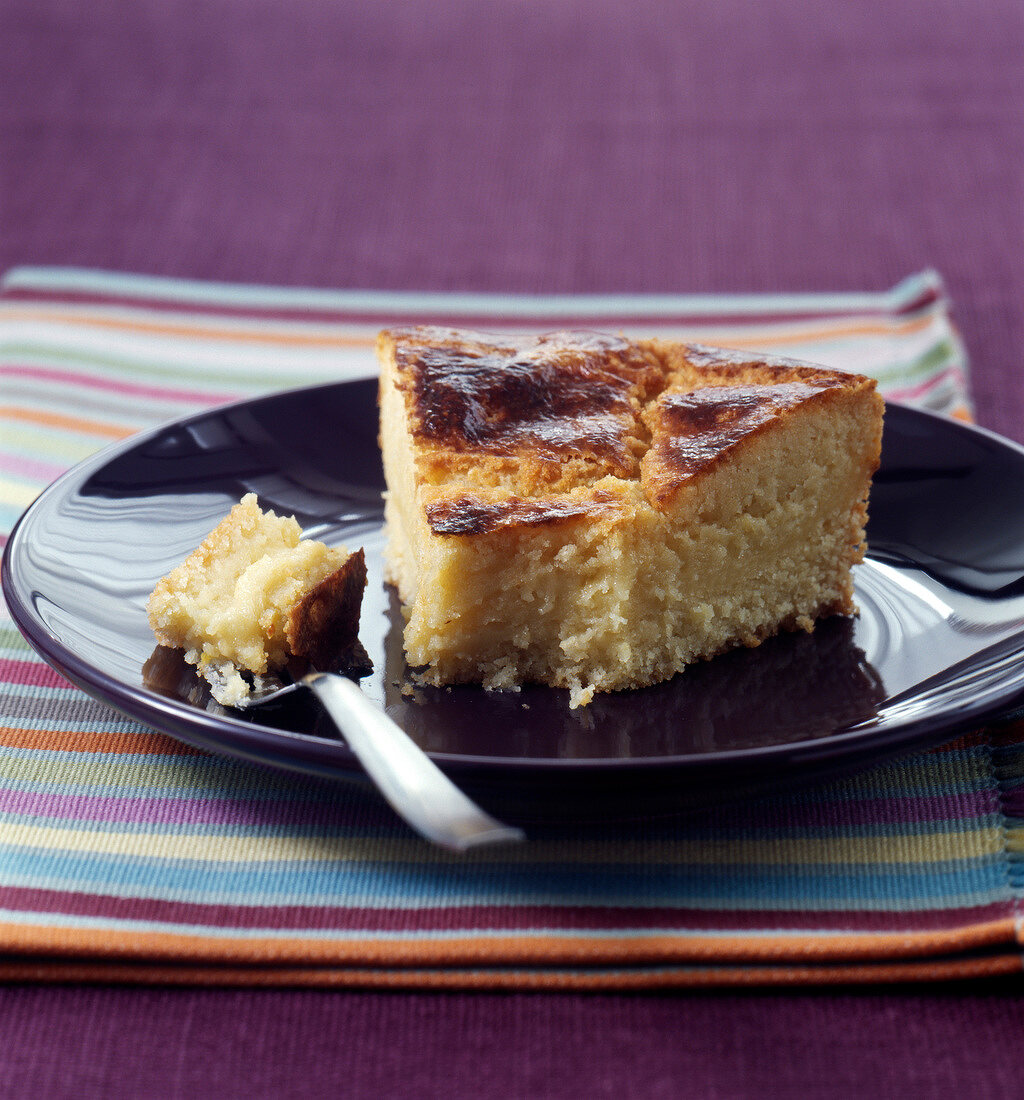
<point x="593" y="513"/>
<point x="253" y="596"/>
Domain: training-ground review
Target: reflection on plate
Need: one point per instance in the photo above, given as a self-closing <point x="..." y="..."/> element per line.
<point x="794" y="687"/>
<point x="938" y="644"/>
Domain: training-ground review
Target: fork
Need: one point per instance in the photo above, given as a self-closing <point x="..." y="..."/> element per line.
<point x="415" y="787"/>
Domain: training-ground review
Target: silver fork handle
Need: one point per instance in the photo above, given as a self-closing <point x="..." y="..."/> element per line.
<point x="417" y="789"/>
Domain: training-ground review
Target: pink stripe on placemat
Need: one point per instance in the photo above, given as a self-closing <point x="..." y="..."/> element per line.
<point x="325" y="918"/>
<point x="211" y="810"/>
<point x="34" y="673"/>
<point x="30" y="469"/>
<point x="63" y="377"/>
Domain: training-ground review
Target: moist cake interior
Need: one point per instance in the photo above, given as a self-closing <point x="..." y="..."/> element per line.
<point x="253" y="596"/>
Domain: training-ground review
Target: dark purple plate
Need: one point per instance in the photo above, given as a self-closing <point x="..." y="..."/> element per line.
<point x="937" y="647"/>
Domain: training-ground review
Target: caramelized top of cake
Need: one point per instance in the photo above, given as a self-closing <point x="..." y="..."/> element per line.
<point x="516" y="431"/>
<point x="475" y="515"/>
<point x="547" y="412"/>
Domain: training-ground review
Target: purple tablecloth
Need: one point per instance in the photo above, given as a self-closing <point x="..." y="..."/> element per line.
<point x="535" y="147"/>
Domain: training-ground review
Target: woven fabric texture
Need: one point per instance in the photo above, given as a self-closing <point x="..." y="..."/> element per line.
<point x="127" y="856"/>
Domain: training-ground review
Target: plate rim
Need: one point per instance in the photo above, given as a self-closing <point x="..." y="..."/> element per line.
<point x="186" y="723"/>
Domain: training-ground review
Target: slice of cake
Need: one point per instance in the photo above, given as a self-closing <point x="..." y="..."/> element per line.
<point x="592" y="513"/>
<point x="255" y="596"/>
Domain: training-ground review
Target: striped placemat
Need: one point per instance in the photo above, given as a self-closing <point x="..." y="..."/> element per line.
<point x="125" y="856"/>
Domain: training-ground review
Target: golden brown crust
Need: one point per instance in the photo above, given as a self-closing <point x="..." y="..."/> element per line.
<point x="694" y="431"/>
<point x="719" y="399"/>
<point x="536" y="417"/>
<point x="324" y="624"/>
<point x="538" y="412"/>
<point x="690" y="366"/>
<point x="540" y="416"/>
<point x="474" y="515"/>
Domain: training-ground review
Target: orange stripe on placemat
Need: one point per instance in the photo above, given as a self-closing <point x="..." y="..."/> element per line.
<point x="262" y="335"/>
<point x="515" y="980"/>
<point x="71" y="423"/>
<point x="147" y="744"/>
<point x="646" y="950"/>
